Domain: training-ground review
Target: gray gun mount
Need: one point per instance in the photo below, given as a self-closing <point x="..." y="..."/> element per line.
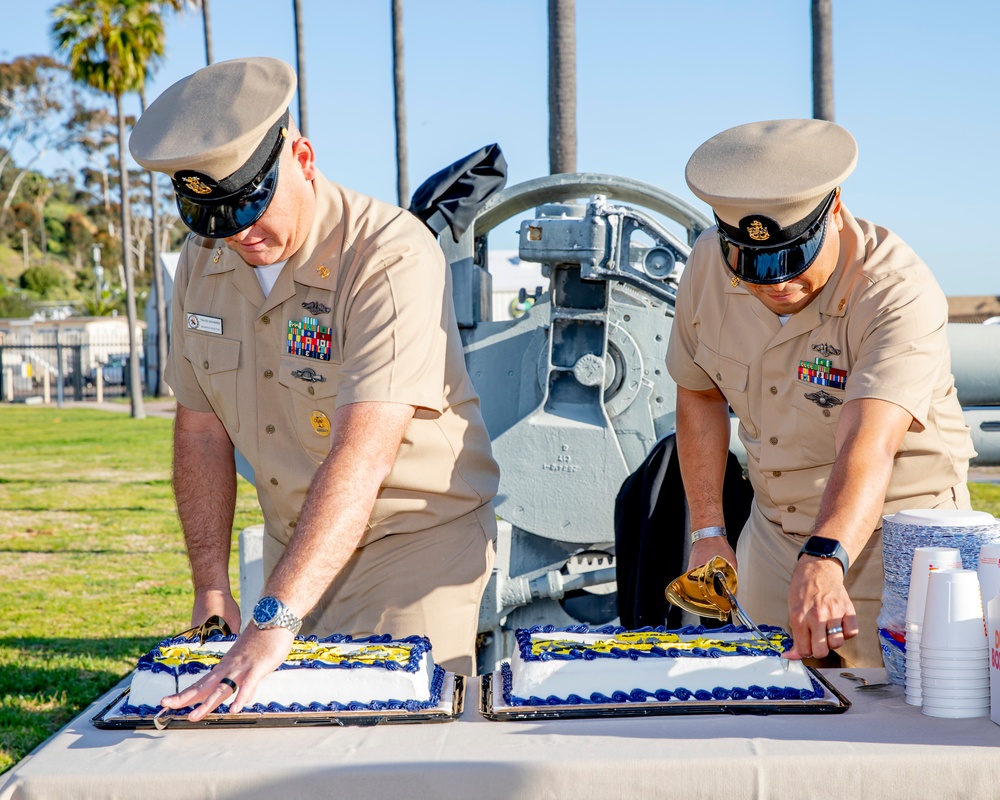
<point x="575" y="393"/>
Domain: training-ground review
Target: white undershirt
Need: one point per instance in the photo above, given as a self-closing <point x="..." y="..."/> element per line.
<point x="266" y="276"/>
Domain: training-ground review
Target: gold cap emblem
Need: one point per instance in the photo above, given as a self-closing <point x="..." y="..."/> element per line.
<point x="757" y="231"/>
<point x="196" y="185"/>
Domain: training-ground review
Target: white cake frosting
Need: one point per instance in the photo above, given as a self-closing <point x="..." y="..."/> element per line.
<point x="576" y="665"/>
<point x="332" y="674"/>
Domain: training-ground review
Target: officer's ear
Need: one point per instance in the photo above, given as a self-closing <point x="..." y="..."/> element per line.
<point x="835" y="211"/>
<point x="305" y="157"/>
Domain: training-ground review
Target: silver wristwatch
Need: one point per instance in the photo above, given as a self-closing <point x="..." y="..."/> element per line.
<point x="270" y="612"/>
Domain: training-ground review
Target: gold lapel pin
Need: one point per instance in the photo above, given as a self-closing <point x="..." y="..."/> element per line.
<point x="217" y="256"/>
<point x="735" y="281"/>
<point x="323" y="270"/>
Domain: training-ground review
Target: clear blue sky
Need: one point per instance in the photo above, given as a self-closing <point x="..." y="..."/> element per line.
<point x="916" y="82"/>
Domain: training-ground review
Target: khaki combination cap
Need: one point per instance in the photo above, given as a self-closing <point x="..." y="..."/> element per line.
<point x="781" y="169"/>
<point x="218" y="134"/>
<point x="772" y="185"/>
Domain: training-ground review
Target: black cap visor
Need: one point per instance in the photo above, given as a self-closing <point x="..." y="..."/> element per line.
<point x="778" y="263"/>
<point x="229" y="216"/>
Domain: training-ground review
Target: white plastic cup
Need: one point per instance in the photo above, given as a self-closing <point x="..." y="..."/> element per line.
<point x="926" y="560"/>
<point x="953" y="612"/>
<point x="953" y="674"/>
<point x="955" y="713"/>
<point x="971" y="683"/>
<point x="989" y="571"/>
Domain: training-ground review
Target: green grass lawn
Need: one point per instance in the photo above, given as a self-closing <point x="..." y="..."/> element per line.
<point x="92" y="557"/>
<point x="93" y="562"/>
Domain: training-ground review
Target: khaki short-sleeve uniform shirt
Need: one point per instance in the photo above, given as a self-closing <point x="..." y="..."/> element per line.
<point x="880" y="322"/>
<point x="362" y="312"/>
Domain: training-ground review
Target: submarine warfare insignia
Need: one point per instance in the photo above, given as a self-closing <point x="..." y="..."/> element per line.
<point x="315" y="307"/>
<point x="320" y="423"/>
<point x="822" y="399"/>
<point x="310" y="339"/>
<point x="826" y="350"/>
<point x="308" y="374"/>
<point x="822" y="371"/>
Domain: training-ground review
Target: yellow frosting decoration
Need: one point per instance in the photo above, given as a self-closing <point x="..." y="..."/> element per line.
<point x="645" y="642"/>
<point x="174" y="655"/>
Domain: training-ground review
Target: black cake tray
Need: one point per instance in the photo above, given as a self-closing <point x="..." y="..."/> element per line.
<point x="450" y="708"/>
<point x="493" y="707"/>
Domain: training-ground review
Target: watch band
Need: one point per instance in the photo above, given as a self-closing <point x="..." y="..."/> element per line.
<point x="283" y="617"/>
<point x="707" y="533"/>
<point x="822" y="547"/>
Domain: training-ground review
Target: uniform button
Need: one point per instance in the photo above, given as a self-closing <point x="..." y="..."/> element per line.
<point x="774" y="390"/>
<point x="718" y="376"/>
<point x="826" y="412"/>
<point x="268" y="374"/>
<point x="266" y="319"/>
<point x="292" y="524"/>
<point x="269" y="429"/>
<point x="791" y="509"/>
<point x="311" y="390"/>
<point x="274" y="481"/>
<point x="773" y="440"/>
<point x="205" y="365"/>
<point x="776" y="473"/>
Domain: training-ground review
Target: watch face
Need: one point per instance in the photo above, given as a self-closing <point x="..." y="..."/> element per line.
<point x="821" y="546"/>
<point x="265" y="610"/>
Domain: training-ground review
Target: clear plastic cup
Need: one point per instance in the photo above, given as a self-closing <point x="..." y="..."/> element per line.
<point x="926" y="560"/>
<point x="953" y="612"/>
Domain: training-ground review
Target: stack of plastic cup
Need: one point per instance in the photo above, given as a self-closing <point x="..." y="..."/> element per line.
<point x="954" y="650"/>
<point x="989" y="571"/>
<point x="925" y="560"/>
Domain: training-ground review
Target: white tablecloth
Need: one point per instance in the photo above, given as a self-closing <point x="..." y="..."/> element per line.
<point x="880" y="748"/>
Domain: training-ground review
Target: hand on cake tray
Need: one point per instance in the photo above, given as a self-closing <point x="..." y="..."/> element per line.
<point x="234" y="680"/>
<point x="821" y="614"/>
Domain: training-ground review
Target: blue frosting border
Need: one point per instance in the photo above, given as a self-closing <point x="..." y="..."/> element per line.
<point x="523" y="638"/>
<point x="420" y="646"/>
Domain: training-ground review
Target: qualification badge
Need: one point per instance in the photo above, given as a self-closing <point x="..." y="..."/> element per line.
<point x="306" y="337"/>
<point x="320" y="423"/>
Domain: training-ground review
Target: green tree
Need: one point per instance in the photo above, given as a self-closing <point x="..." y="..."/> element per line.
<point x="110" y="45"/>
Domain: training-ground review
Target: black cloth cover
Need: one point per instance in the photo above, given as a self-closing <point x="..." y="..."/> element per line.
<point x="650" y="526"/>
<point x="459" y="191"/>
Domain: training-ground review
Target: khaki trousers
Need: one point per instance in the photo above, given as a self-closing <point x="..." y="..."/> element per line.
<point x="766" y="557"/>
<point x="428" y="583"/>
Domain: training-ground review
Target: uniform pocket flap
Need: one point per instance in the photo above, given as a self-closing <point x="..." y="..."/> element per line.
<point x="211" y="354"/>
<point x="726" y="372"/>
<point x="314" y="381"/>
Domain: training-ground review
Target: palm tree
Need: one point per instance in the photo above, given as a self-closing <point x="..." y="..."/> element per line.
<point x="110" y="44"/>
<point x="562" y="86"/>
<point x="300" y="66"/>
<point x="822" y="61"/>
<point x="402" y="184"/>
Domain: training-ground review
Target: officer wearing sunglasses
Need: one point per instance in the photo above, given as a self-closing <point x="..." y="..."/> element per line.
<point x="312" y="329"/>
<point x="825" y="335"/>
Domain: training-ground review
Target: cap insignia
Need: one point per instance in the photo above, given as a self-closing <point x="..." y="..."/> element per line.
<point x="757" y="231"/>
<point x="196" y="185"/>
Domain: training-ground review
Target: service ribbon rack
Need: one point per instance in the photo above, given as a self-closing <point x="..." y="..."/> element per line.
<point x="310" y="339"/>
<point x="822" y="371"/>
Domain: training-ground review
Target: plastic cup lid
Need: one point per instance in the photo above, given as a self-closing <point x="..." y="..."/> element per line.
<point x="942" y="518"/>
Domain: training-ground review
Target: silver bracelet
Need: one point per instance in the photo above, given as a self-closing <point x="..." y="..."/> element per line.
<point x="707" y="533"/>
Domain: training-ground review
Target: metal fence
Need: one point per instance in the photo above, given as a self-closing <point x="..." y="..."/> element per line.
<point x="47" y="368"/>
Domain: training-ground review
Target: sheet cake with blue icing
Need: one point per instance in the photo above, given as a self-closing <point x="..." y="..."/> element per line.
<point x="577" y="666"/>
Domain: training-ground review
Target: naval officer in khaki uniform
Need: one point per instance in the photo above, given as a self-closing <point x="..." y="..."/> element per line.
<point x="826" y="336"/>
<point x="312" y="328"/>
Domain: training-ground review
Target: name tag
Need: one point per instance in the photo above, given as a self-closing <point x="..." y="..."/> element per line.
<point x="199" y="322"/>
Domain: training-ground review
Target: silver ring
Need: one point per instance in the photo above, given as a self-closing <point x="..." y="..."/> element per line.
<point x="230" y="683"/>
<point x="834" y="630"/>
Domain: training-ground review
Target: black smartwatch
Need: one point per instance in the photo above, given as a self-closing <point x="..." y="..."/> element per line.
<point x="821" y="547"/>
